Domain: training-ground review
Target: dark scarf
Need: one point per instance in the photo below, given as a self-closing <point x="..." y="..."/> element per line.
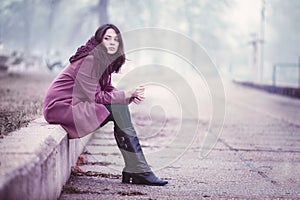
<point x="102" y="58"/>
<point x="84" y="50"/>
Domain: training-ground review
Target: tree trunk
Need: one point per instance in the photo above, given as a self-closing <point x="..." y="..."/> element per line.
<point x="53" y="8"/>
<point x="27" y="14"/>
<point x="103" y="15"/>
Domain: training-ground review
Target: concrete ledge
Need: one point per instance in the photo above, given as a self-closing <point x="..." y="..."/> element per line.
<point x="286" y="91"/>
<point x="36" y="161"/>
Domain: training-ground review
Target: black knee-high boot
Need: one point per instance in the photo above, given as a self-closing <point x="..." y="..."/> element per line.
<point x="136" y="170"/>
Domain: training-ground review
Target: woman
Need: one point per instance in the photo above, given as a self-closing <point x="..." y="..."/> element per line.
<point x="82" y="99"/>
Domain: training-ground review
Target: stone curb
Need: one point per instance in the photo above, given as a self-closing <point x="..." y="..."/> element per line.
<point x="285" y="91"/>
<point x="36" y="161"/>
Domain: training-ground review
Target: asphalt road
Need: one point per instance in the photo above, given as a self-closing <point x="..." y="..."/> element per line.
<point x="257" y="155"/>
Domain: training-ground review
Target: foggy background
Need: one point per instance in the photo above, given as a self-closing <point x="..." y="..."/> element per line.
<point x="240" y="36"/>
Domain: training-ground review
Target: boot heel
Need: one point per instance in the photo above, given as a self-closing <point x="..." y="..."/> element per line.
<point x="146" y="178"/>
<point x="127" y="178"/>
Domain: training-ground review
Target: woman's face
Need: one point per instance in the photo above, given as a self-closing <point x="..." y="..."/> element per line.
<point x="111" y="41"/>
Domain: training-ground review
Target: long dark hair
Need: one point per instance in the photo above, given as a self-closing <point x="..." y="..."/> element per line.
<point x="104" y="63"/>
<point x="116" y="60"/>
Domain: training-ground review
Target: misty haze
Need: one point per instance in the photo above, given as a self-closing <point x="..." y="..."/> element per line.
<point x="215" y="106"/>
<point x="230" y="30"/>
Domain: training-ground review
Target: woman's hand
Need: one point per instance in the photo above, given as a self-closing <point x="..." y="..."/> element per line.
<point x="137" y="95"/>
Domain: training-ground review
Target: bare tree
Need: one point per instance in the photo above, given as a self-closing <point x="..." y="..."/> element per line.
<point x="27" y="14"/>
<point x="53" y="8"/>
<point x="102" y="9"/>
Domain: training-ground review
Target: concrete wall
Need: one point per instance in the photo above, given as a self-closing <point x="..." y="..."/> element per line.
<point x="36" y="161"/>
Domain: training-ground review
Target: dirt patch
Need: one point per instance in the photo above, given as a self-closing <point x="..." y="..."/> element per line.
<point x="21" y="97"/>
<point x="131" y="193"/>
<point x="87" y="187"/>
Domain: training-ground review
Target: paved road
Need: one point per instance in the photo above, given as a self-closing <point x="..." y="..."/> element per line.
<point x="257" y="156"/>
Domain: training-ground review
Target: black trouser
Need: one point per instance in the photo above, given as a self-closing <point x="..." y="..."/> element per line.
<point x="126" y="138"/>
<point x="120" y="115"/>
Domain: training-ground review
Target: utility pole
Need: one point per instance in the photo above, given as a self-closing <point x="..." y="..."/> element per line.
<point x="254" y="43"/>
<point x="262" y="39"/>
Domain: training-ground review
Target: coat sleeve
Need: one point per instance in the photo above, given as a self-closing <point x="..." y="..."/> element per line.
<point x="85" y="82"/>
<point x="110" y="97"/>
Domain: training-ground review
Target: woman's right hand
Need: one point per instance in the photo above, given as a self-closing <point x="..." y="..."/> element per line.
<point x="137" y="95"/>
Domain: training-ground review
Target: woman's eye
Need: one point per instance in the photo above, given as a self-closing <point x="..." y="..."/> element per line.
<point x="106" y="38"/>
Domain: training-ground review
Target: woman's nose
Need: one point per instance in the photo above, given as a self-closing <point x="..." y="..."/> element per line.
<point x="112" y="42"/>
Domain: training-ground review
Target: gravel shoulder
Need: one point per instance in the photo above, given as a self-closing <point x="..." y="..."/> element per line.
<point x="21" y="97"/>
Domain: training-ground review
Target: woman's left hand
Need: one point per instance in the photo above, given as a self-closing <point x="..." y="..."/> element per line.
<point x="137" y="95"/>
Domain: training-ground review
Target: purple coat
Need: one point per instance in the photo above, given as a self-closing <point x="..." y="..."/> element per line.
<point x="75" y="99"/>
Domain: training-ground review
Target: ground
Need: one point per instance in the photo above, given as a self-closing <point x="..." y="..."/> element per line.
<point x="255" y="157"/>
